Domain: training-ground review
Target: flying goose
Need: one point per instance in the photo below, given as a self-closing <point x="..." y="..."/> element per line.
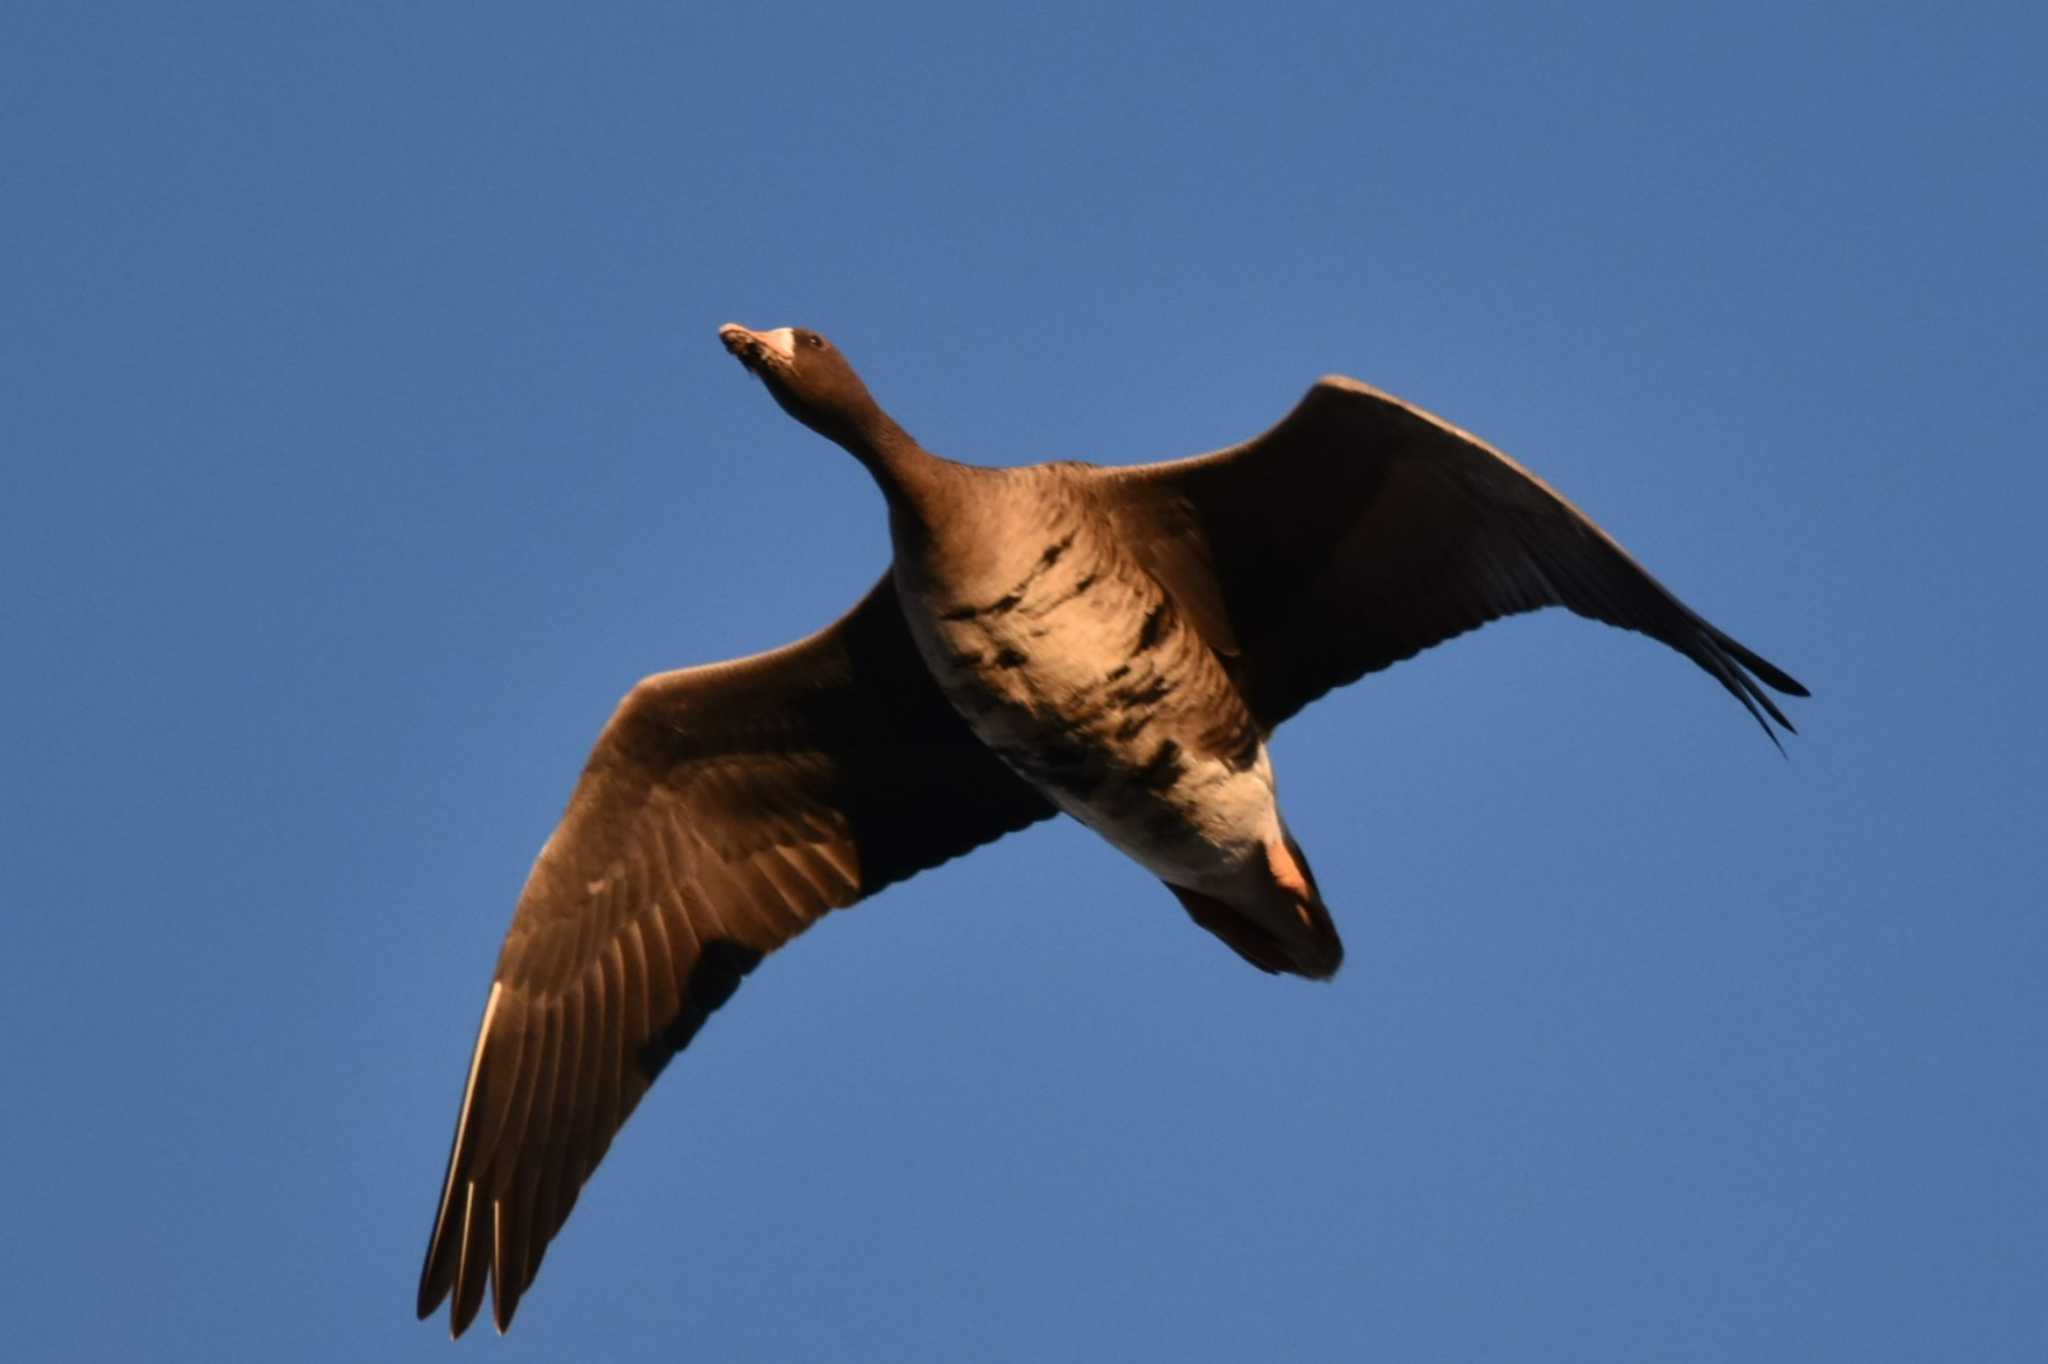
<point x="1116" y="643"/>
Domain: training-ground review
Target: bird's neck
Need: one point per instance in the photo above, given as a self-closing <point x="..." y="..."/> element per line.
<point x="908" y="474"/>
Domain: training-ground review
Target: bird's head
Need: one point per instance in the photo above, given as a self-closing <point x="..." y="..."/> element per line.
<point x="809" y="378"/>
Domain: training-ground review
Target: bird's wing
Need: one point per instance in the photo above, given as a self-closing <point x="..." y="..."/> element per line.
<point x="724" y="810"/>
<point x="1361" y="530"/>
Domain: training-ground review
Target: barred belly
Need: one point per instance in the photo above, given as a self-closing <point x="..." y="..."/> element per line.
<point x="1136" y="732"/>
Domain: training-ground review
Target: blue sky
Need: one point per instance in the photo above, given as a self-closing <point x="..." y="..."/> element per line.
<point x="368" y="434"/>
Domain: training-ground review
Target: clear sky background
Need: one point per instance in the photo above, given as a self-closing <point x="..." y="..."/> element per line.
<point x="366" y="435"/>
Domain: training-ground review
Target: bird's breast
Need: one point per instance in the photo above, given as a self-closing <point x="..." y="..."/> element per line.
<point x="1076" y="668"/>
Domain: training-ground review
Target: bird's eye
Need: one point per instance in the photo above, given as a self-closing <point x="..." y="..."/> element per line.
<point x="814" y="341"/>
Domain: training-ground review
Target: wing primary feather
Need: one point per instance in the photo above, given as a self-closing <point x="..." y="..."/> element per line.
<point x="596" y="1095"/>
<point x="1774" y="677"/>
<point x="537" y="1157"/>
<point x="438" y="1274"/>
<point x="497" y="1090"/>
<point x="471" y="1267"/>
<point x="1762" y="697"/>
<point x="580" y="1051"/>
<point x="502" y="1177"/>
<point x="565" y="1136"/>
<point x="1740" y="688"/>
<point x="501" y="1316"/>
<point x="515" y="1270"/>
<point x="608" y="1112"/>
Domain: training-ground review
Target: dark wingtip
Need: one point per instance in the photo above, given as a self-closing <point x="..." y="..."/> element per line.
<point x="1722" y="664"/>
<point x="1745" y="674"/>
<point x="1767" y="672"/>
<point x="1776" y="679"/>
<point x="469" y="1293"/>
<point x="505" y="1295"/>
<point x="436" y="1277"/>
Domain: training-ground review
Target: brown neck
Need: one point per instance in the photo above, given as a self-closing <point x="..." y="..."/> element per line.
<point x="908" y="474"/>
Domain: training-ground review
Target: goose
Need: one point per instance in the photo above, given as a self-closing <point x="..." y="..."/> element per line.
<point x="1113" y="642"/>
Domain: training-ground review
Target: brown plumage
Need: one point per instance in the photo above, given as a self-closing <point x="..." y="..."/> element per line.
<point x="725" y="809"/>
<point x="1114" y="642"/>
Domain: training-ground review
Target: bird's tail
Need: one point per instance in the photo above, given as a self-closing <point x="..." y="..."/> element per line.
<point x="1289" y="931"/>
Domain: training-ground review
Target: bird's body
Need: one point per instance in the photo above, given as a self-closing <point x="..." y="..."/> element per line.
<point x="1116" y="644"/>
<point x="1075" y="667"/>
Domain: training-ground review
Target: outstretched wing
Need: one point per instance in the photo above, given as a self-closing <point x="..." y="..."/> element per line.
<point x="1361" y="530"/>
<point x="724" y="810"/>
